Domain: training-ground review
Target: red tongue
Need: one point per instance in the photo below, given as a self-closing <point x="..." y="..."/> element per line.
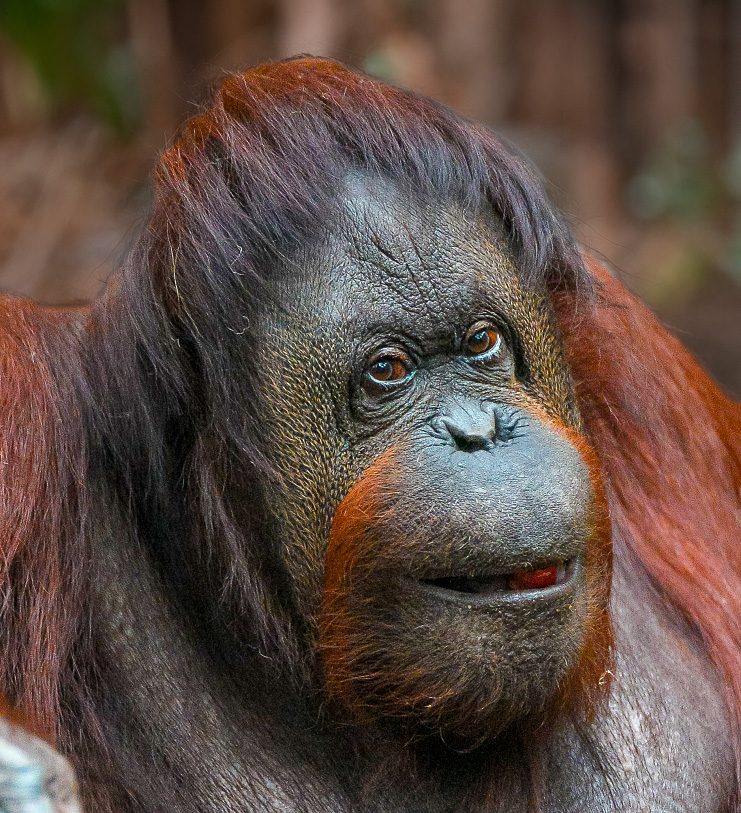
<point x="534" y="579"/>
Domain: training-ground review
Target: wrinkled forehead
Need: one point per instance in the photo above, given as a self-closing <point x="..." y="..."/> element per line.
<point x="387" y="250"/>
<point x="393" y="264"/>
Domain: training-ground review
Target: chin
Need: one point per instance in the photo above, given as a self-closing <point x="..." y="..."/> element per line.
<point x="463" y="663"/>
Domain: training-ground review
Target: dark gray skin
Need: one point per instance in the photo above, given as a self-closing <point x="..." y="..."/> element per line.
<point x="660" y="742"/>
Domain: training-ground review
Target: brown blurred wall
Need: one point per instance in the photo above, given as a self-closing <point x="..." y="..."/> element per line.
<point x="631" y="108"/>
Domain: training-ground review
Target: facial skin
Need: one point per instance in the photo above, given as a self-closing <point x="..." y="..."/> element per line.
<point x="436" y="507"/>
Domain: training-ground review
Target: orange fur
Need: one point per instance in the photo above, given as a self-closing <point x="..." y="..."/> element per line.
<point x="669" y="445"/>
<point x="41" y="454"/>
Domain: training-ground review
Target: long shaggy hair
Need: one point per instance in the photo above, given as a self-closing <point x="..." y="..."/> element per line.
<point x="669" y="444"/>
<point x="147" y="395"/>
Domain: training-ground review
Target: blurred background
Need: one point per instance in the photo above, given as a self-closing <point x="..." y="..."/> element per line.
<point x="631" y="109"/>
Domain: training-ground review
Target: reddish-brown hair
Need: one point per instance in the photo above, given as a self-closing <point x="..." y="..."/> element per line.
<point x="42" y="469"/>
<point x="669" y="445"/>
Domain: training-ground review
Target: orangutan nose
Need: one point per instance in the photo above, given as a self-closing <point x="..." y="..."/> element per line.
<point x="470" y="429"/>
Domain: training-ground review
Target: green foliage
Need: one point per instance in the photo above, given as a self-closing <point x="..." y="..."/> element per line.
<point x="380" y="64"/>
<point x="682" y="185"/>
<point x="79" y="54"/>
<point x="676" y="182"/>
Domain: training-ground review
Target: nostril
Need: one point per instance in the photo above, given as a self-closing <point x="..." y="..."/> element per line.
<point x="469" y="441"/>
<point x="467" y="434"/>
<point x="440" y="428"/>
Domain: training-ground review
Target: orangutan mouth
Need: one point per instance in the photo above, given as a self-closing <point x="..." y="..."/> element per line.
<point x="539" y="579"/>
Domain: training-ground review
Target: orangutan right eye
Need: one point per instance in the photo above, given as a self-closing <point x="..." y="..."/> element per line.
<point x="387" y="370"/>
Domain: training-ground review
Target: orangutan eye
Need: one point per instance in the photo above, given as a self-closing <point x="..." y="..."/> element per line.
<point x="482" y="341"/>
<point x="386" y="370"/>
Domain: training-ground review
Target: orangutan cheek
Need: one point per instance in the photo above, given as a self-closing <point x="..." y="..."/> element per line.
<point x="444" y="617"/>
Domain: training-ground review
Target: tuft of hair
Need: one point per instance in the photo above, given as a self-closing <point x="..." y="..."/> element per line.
<point x="669" y="444"/>
<point x="257" y="174"/>
<point x="42" y="466"/>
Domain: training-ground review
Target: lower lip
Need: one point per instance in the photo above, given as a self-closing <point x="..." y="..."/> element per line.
<point x="522" y="586"/>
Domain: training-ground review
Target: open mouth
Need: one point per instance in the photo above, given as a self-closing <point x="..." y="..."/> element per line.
<point x="517" y="581"/>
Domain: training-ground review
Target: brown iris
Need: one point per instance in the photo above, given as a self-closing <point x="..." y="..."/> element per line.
<point x="387" y="369"/>
<point x="481" y="339"/>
